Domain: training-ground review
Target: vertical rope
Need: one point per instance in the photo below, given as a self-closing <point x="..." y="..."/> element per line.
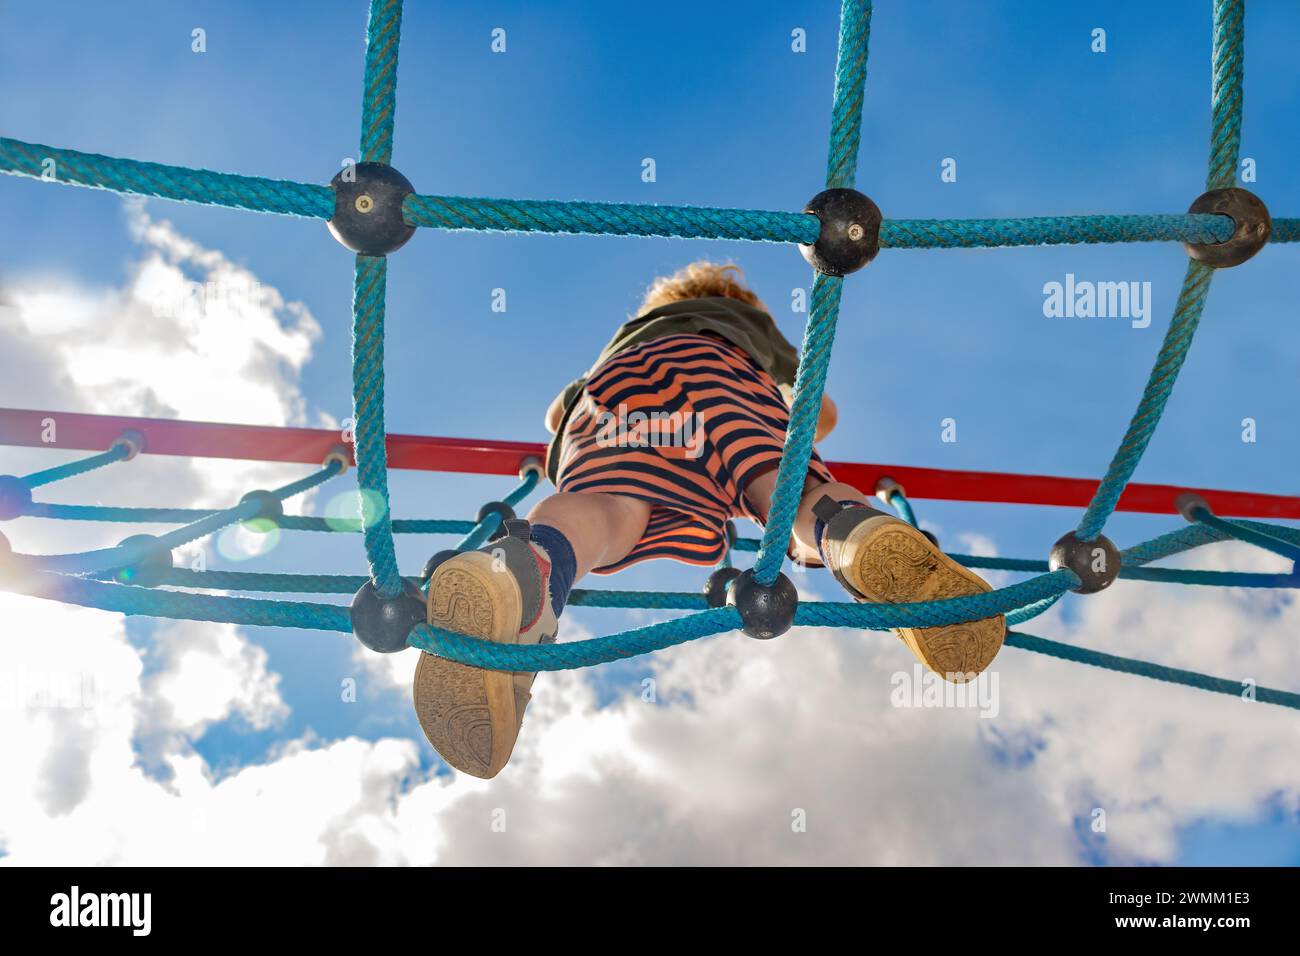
<point x="810" y="381"/>
<point x="819" y="336"/>
<point x="1169" y="361"/>
<point x="379" y="98"/>
<point x="850" y="80"/>
<point x="1225" y="95"/>
<point x="1225" y="145"/>
<point x="368" y="413"/>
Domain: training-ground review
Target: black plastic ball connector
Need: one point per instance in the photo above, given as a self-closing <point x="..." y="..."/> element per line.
<point x="496" y="508"/>
<point x="132" y="441"/>
<point x="432" y="564"/>
<point x="15" y="497"/>
<point x="148" y="571"/>
<point x="1248" y="213"/>
<point x="1096" y="562"/>
<point x="368" y="209"/>
<point x="718" y="584"/>
<point x="270" y="508"/>
<point x="850" y="233"/>
<point x="383" y="624"/>
<point x="766" y="611"/>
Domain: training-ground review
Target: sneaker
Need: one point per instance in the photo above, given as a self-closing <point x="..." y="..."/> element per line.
<point x="882" y="559"/>
<point x="501" y="593"/>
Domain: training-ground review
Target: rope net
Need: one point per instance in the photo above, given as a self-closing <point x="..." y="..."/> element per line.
<point x="137" y="576"/>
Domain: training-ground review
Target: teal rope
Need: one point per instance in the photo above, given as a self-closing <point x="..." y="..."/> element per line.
<point x="970" y="607"/>
<point x="1223" y="579"/>
<point x="368" y="413"/>
<point x="1285" y="230"/>
<point x="898" y="501"/>
<point x="1248" y="534"/>
<point x="379" y="99"/>
<point x="1052" y="230"/>
<point x="819" y="336"/>
<point x="1124" y="665"/>
<point x="288" y="522"/>
<point x="1169" y="361"/>
<point x="122" y="555"/>
<point x="573" y="654"/>
<point x="607" y="219"/>
<point x="58" y="473"/>
<point x="850" y="80"/>
<point x="479" y="532"/>
<point x="180" y="183"/>
<point x="181" y="605"/>
<point x="1228" y="63"/>
<point x="809" y="383"/>
<point x="353" y="525"/>
<point x="351" y="583"/>
<point x="1031" y="611"/>
<point x="40" y="509"/>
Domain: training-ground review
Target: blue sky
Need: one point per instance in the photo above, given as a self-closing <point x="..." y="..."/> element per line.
<point x="1038" y="125"/>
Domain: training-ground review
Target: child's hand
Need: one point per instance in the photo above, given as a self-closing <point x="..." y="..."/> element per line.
<point x="826" y="419"/>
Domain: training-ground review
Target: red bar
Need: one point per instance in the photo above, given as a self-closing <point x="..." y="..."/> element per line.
<point x="310" y="445"/>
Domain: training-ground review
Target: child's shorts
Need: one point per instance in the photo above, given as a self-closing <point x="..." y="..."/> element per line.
<point x="684" y="422"/>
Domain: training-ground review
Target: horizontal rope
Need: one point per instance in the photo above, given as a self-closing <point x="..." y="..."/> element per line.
<point x="1051" y="231"/>
<point x="123" y="555"/>
<point x="1285" y="230"/>
<point x="133" y="177"/>
<point x="608" y="219"/>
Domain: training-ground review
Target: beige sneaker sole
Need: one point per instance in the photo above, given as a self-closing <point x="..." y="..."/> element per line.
<point x="469" y="714"/>
<point x="895" y="563"/>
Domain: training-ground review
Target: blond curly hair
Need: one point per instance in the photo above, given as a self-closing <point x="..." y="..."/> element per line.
<point x="701" y="279"/>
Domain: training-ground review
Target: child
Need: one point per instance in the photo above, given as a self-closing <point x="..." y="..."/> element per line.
<point x="678" y="426"/>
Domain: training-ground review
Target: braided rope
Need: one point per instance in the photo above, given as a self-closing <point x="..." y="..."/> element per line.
<point x="58" y="473"/>
<point x="106" y="559"/>
<point x="1052" y="230"/>
<point x="180" y="183"/>
<point x="368" y="413"/>
<point x="482" y="530"/>
<point x="607" y="219"/>
<point x="809" y="383"/>
<point x="1261" y="539"/>
<point x="1125" y="665"/>
<point x="1169" y="361"/>
<point x="850" y="81"/>
<point x="573" y="654"/>
<point x="1227" y="68"/>
<point x="379" y="99"/>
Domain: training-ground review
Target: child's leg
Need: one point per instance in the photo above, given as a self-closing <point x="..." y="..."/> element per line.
<point x="472" y="716"/>
<point x="601" y="528"/>
<point x="881" y="558"/>
<point x="803" y="545"/>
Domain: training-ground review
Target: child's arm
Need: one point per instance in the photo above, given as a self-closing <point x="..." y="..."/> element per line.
<point x="555" y="413"/>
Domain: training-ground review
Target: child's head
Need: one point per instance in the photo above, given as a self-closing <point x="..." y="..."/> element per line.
<point x="699" y="280"/>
